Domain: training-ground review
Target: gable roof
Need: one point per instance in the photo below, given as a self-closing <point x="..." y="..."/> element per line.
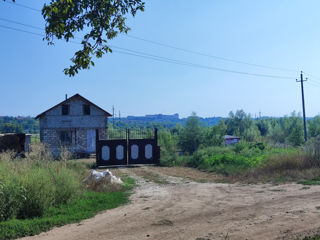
<point x="71" y="98"/>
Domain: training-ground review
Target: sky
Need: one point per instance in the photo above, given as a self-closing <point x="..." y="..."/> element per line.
<point x="280" y="34"/>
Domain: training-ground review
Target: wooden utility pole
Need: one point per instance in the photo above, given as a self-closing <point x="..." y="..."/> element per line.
<point x="303" y="107"/>
<point x="112" y="116"/>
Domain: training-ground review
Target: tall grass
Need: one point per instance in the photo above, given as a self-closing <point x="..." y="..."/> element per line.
<point x="38" y="193"/>
<point x="30" y="185"/>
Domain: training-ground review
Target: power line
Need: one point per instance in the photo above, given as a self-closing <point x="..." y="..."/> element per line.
<point x="311" y="75"/>
<point x="168" y="60"/>
<point x="313" y="84"/>
<point x="19" y="23"/>
<point x="203" y="66"/>
<point x="194" y="52"/>
<point x="23" y="6"/>
<point x="21" y="30"/>
<point x="208" y="55"/>
<point x="149" y="55"/>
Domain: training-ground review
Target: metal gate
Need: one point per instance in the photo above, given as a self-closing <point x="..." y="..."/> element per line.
<point x="126" y="147"/>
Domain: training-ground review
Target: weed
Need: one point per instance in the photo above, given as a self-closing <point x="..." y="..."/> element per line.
<point x="313" y="181"/>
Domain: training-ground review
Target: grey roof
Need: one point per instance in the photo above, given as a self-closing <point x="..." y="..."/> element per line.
<point x="231" y="137"/>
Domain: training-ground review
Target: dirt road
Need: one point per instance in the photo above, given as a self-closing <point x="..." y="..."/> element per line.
<point x="177" y="208"/>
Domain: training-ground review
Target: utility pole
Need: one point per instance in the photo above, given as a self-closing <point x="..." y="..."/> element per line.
<point x="303" y="107"/>
<point x="112" y="116"/>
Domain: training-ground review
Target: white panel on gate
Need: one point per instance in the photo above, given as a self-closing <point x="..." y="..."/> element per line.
<point x="134" y="151"/>
<point x="119" y="152"/>
<point x="148" y="151"/>
<point x="105" y="153"/>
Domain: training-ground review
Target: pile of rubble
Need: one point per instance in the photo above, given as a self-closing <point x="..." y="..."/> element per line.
<point x="100" y="180"/>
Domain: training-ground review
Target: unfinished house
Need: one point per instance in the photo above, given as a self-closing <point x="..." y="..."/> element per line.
<point x="73" y="124"/>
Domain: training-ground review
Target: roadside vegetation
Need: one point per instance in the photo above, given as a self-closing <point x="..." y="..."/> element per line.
<point x="38" y="193"/>
<point x="269" y="149"/>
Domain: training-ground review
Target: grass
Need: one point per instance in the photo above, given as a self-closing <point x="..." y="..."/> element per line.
<point x="89" y="204"/>
<point x="313" y="181"/>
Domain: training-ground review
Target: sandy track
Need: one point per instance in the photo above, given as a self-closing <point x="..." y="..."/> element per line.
<point x="189" y="210"/>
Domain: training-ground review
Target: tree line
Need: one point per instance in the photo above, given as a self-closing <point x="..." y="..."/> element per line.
<point x="19" y="125"/>
<point x="287" y="130"/>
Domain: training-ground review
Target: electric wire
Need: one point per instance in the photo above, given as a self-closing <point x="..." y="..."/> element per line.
<point x="22" y="5"/>
<point x="312" y="84"/>
<point x="168" y="60"/>
<point x="20" y="23"/>
<point x="21" y="30"/>
<point x="151" y="56"/>
<point x="208" y="55"/>
<point x="197" y="52"/>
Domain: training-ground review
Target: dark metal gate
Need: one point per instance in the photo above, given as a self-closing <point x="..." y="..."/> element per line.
<point x="126" y="147"/>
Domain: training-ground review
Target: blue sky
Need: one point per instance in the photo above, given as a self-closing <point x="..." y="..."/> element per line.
<point x="283" y="34"/>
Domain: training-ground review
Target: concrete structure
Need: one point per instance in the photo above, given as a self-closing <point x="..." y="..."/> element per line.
<point x="73" y="124"/>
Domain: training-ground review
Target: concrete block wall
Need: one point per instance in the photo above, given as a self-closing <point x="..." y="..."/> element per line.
<point x="51" y="137"/>
<point x="53" y="122"/>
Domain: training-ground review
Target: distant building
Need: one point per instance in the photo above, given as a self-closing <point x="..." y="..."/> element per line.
<point x="155" y="117"/>
<point x="73" y="123"/>
<point x="228" y="139"/>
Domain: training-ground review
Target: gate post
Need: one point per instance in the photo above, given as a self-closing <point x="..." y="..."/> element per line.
<point x="156" y="148"/>
<point x="127" y="150"/>
<point x="97" y="147"/>
<point x="156" y="136"/>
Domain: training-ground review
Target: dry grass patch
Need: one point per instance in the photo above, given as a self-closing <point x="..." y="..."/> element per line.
<point x="150" y="176"/>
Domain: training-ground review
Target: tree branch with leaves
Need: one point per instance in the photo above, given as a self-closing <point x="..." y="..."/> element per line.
<point x="98" y="21"/>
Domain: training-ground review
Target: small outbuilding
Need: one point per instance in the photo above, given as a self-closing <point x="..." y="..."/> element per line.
<point x="72" y="123"/>
<point x="228" y="139"/>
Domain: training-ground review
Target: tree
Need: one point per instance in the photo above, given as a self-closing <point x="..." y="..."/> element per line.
<point x="11" y="128"/>
<point x="242" y="124"/>
<point x="97" y="20"/>
<point x="191" y="135"/>
<point x="314" y="126"/>
<point x="214" y="136"/>
<point x="263" y="126"/>
<point x="295" y="130"/>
